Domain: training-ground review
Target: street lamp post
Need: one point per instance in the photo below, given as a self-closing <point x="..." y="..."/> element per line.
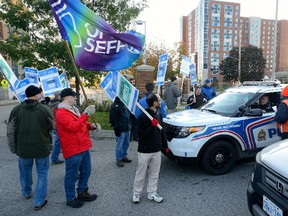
<point x="239" y="60"/>
<point x="141" y="22"/>
<point x="273" y="76"/>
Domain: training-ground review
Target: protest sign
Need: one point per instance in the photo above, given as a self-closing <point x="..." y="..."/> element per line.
<point x="162" y="67"/>
<point x="185" y="64"/>
<point x="32" y="75"/>
<point x="50" y="81"/>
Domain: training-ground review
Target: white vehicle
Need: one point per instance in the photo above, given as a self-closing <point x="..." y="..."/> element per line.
<point x="229" y="127"/>
<point x="267" y="192"/>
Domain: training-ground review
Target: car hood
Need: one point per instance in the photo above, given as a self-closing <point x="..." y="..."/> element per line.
<point x="275" y="157"/>
<point x="195" y="117"/>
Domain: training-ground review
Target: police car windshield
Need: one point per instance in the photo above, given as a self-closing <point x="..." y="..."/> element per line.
<point x="228" y="103"/>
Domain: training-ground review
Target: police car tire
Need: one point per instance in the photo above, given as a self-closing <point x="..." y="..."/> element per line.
<point x="220" y="148"/>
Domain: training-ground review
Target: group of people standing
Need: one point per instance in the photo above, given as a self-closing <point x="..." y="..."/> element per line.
<point x="32" y="123"/>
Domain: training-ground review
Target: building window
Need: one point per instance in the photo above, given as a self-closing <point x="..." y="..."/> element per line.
<point x="216" y="8"/>
<point x="228" y="22"/>
<point x="215" y="21"/>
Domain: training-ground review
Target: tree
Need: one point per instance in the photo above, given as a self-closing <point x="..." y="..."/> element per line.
<point x="153" y="52"/>
<point x="34" y="39"/>
<point x="252" y="64"/>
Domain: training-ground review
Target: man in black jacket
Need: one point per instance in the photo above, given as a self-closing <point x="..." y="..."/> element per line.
<point x="151" y="140"/>
<point x="120" y="118"/>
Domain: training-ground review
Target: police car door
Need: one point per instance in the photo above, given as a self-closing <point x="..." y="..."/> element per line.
<point x="262" y="131"/>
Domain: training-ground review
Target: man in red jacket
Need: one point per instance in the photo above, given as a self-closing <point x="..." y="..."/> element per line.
<point x="73" y="130"/>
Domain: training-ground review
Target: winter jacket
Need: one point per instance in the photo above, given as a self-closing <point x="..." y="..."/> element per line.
<point x="120" y="117"/>
<point x="200" y="100"/>
<point x="171" y="94"/>
<point x="281" y="117"/>
<point x="33" y="122"/>
<point x="73" y="132"/>
<point x="53" y="104"/>
<point x="151" y="139"/>
<point x="144" y="104"/>
<point x="208" y="92"/>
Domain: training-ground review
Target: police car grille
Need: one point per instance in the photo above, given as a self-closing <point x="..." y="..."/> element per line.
<point x="277" y="183"/>
<point x="171" y="131"/>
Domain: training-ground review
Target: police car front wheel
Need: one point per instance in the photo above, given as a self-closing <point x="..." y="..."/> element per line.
<point x="218" y="158"/>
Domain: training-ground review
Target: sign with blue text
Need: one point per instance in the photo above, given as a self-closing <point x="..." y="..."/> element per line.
<point x="114" y="84"/>
<point x="185" y="65"/>
<point x="162" y="67"/>
<point x="50" y="81"/>
<point x="64" y="81"/>
<point x="193" y="75"/>
<point x="32" y="75"/>
<point x="20" y="89"/>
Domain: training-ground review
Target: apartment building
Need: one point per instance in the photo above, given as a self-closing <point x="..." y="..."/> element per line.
<point x="213" y="28"/>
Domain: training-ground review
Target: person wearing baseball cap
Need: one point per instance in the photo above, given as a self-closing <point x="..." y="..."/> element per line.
<point x="73" y="131"/>
<point x="32" y="123"/>
<point x="281" y="116"/>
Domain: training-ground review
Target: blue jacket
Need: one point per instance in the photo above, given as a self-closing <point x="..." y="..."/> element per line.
<point x="144" y="104"/>
<point x="208" y="92"/>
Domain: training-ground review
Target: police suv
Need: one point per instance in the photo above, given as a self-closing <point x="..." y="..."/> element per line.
<point x="229" y="127"/>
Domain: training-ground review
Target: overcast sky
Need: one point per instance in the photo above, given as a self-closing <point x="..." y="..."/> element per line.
<point x="163" y="16"/>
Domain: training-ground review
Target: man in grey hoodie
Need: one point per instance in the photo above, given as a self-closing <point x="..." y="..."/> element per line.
<point x="171" y="94"/>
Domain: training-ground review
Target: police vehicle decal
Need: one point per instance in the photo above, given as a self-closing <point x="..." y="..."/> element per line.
<point x="254" y="125"/>
<point x="223" y="131"/>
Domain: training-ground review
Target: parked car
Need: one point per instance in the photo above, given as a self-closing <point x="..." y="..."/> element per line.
<point x="229" y="127"/>
<point x="267" y="192"/>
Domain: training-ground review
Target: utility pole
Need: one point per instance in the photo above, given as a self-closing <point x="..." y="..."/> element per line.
<point x="273" y="76"/>
<point x="239" y="57"/>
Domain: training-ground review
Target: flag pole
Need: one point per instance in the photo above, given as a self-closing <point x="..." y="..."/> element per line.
<point x="78" y="77"/>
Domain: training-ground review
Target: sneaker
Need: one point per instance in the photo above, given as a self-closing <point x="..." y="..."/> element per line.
<point x="86" y="197"/>
<point x="126" y="160"/>
<point x="36" y="208"/>
<point x="155" y="197"/>
<point x="136" y="198"/>
<point x="57" y="162"/>
<point x="119" y="163"/>
<point x="75" y="203"/>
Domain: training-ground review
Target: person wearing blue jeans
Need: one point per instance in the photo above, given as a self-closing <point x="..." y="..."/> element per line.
<point x="79" y="163"/>
<point x="122" y="145"/>
<point x="120" y="119"/>
<point x="33" y="122"/>
<point x="73" y="130"/>
<point x="56" y="150"/>
<point x="25" y="169"/>
<point x="53" y="104"/>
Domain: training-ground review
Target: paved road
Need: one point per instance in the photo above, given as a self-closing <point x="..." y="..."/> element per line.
<point x="186" y="190"/>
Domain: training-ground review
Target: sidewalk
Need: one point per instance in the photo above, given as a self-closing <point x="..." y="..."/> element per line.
<point x="8" y="102"/>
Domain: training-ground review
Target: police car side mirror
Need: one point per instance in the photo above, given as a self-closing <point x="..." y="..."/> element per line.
<point x="253" y="112"/>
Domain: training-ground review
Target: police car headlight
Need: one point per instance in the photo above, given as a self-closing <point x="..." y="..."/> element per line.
<point x="186" y="131"/>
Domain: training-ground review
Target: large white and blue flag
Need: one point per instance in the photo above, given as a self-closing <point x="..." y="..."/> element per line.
<point x="8" y="73"/>
<point x="162" y="67"/>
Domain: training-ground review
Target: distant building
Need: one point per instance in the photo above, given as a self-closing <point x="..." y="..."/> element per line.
<point x="212" y="29"/>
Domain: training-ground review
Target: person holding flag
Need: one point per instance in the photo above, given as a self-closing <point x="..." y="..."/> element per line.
<point x="151" y="141"/>
<point x="73" y="131"/>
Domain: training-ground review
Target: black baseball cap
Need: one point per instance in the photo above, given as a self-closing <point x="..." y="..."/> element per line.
<point x="67" y="92"/>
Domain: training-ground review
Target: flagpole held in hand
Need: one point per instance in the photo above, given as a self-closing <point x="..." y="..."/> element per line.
<point x="78" y="77"/>
<point x="147" y="114"/>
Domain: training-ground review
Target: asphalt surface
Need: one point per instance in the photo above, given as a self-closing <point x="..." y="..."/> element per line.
<point x="186" y="190"/>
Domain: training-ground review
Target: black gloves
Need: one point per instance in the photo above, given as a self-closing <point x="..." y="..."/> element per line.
<point x="117" y="132"/>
